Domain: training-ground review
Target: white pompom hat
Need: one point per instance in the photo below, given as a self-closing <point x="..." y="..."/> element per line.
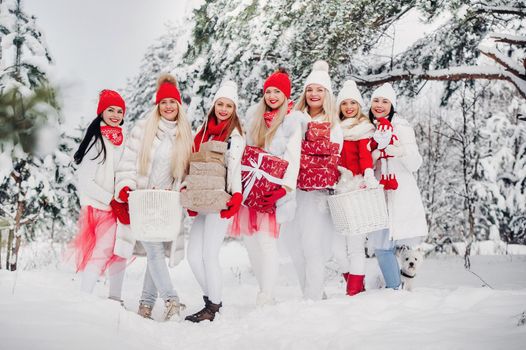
<point x="350" y="91"/>
<point x="385" y="91"/>
<point x="319" y="75"/>
<point x="228" y="90"/>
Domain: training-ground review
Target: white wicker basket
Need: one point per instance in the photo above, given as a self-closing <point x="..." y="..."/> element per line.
<point x="155" y="215"/>
<point x="359" y="212"/>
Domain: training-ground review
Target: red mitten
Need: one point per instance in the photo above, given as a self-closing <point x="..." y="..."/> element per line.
<point x="233" y="206"/>
<point x="271" y="197"/>
<point x="124" y="194"/>
<point x="121" y="211"/>
<point x="191" y="213"/>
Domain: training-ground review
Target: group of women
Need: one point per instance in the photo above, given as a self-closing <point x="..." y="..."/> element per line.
<point x="155" y="155"/>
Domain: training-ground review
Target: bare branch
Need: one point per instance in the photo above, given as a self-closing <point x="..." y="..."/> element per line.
<point x="452" y="74"/>
<point x="509" y="39"/>
<point x="502" y="10"/>
<point x="503" y="61"/>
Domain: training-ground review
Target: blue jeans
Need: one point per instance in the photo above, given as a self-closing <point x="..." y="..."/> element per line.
<point x="384" y="249"/>
<point x="157" y="281"/>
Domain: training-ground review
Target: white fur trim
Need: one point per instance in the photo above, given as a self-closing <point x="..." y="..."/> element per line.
<point x="363" y="130"/>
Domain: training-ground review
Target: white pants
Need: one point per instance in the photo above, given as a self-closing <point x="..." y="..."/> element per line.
<point x="262" y="251"/>
<point x="349" y="253"/>
<point x="205" y="240"/>
<point x="309" y="241"/>
<point x="91" y="274"/>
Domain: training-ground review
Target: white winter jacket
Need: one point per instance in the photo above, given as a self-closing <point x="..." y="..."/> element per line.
<point x="128" y="175"/>
<point x="97" y="178"/>
<point x="128" y="170"/>
<point x="406" y="211"/>
<point x="286" y="144"/>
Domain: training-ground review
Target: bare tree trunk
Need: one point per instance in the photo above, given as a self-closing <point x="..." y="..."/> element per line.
<point x="10" y="239"/>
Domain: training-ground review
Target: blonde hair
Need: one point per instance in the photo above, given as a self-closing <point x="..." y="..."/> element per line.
<point x="328" y="108"/>
<point x="260" y="134"/>
<point x="182" y="147"/>
<point x="359" y="118"/>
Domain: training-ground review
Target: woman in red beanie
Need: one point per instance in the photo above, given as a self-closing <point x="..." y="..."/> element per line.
<point x="271" y="128"/>
<point x="97" y="156"/>
<point x="156" y="157"/>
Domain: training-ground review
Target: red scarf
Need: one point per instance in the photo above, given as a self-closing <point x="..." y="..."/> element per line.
<point x="214" y="130"/>
<point x="270" y="115"/>
<point x="112" y="133"/>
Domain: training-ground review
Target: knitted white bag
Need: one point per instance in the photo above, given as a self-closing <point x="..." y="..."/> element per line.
<point x="155" y="215"/>
<point x="359" y="212"/>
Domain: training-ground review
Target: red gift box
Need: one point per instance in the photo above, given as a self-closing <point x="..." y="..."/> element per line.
<point x="260" y="172"/>
<point x="308" y="161"/>
<point x="318" y="131"/>
<point x="320" y="147"/>
<point x="317" y="178"/>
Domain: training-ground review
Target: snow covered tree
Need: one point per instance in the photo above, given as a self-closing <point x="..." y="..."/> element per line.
<point x="453" y="52"/>
<point x="36" y="188"/>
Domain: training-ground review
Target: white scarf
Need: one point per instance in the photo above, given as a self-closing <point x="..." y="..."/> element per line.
<point x="353" y="131"/>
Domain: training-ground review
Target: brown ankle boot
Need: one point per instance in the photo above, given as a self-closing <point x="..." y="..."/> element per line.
<point x="145" y="311"/>
<point x="207" y="313"/>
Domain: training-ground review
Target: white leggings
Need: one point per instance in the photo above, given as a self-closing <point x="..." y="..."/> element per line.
<point x="309" y="241"/>
<point x="205" y="240"/>
<point x="349" y="253"/>
<point x="91" y="274"/>
<point x="262" y="251"/>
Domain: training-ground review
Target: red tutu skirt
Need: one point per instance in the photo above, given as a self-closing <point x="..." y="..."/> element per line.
<point x="248" y="221"/>
<point x="96" y="239"/>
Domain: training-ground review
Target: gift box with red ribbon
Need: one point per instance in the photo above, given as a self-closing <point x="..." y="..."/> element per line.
<point x="260" y="172"/>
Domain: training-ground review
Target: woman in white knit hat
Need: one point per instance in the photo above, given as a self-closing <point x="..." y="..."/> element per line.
<point x="208" y="230"/>
<point x="349" y="251"/>
<point x="406" y="212"/>
<point x="309" y="236"/>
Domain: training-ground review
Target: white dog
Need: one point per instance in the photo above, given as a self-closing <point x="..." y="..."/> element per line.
<point x="410" y="261"/>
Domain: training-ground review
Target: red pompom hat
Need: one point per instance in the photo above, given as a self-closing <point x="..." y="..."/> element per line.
<point x="278" y="80"/>
<point x="167" y="88"/>
<point x="109" y="98"/>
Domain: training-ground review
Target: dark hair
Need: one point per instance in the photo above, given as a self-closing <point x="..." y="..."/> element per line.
<point x="389" y="116"/>
<point x="93" y="132"/>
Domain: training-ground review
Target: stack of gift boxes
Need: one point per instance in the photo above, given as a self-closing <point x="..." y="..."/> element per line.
<point x="261" y="172"/>
<point x="206" y="182"/>
<point x="319" y="158"/>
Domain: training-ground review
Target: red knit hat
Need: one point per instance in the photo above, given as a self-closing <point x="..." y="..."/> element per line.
<point x="280" y="80"/>
<point x="110" y="98"/>
<point x="167" y="88"/>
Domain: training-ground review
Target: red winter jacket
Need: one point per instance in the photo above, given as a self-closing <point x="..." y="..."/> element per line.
<point x="356" y="154"/>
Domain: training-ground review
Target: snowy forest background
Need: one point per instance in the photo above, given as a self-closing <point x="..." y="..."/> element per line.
<point x="463" y="86"/>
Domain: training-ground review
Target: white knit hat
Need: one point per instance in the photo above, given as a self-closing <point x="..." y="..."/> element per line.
<point x="228" y="90"/>
<point x="350" y="91"/>
<point x="385" y="91"/>
<point x="319" y="75"/>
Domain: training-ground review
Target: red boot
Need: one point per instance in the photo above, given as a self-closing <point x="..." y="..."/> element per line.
<point x="345" y="276"/>
<point x="355" y="284"/>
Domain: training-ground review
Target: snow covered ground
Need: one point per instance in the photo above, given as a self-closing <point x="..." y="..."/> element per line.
<point x="449" y="309"/>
